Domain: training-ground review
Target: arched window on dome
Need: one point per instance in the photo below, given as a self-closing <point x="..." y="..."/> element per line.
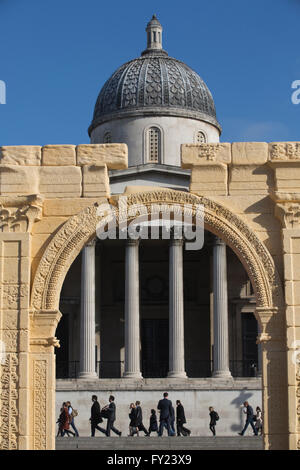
<point x="107" y="137"/>
<point x="153" y="146"/>
<point x="200" y="138"/>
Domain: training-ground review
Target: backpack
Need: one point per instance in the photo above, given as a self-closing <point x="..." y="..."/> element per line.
<point x="217" y="417"/>
<point x="74" y="413"/>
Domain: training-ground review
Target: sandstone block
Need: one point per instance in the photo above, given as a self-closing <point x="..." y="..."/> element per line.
<point x="249" y="153"/>
<point x="65" y="207"/>
<point x="210" y="179"/>
<point x="249" y="179"/>
<point x="115" y="156"/>
<point x="60" y="181"/>
<point x="202" y="154"/>
<point x="95" y="181"/>
<point x="16" y="179"/>
<point x="20" y="155"/>
<point x="48" y="225"/>
<point x="291" y="240"/>
<point x="59" y="155"/>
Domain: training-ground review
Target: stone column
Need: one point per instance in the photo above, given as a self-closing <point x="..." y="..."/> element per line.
<point x="87" y="317"/>
<point x="176" y="312"/>
<point x="220" y="302"/>
<point x="132" y="313"/>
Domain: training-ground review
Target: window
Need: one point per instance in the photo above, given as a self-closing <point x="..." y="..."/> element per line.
<point x="154" y="144"/>
<point x="107" y="137"/>
<point x="200" y="138"/>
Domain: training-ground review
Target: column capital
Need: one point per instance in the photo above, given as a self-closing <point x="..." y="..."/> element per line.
<point x="91" y="242"/>
<point x="132" y="241"/>
<point x="217" y="241"/>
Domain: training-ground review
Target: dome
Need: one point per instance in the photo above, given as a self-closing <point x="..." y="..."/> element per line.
<point x="154" y="84"/>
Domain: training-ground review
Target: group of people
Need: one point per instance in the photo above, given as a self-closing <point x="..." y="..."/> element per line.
<point x="66" y="419"/>
<point x="167" y="418"/>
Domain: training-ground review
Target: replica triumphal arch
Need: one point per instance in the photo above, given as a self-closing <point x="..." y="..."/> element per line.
<point x="250" y="196"/>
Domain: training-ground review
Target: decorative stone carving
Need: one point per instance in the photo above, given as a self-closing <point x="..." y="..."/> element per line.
<point x="40" y="404"/>
<point x="9" y="383"/>
<point x="289" y="214"/>
<point x="208" y="151"/>
<point x="285" y="151"/>
<point x="17" y="214"/>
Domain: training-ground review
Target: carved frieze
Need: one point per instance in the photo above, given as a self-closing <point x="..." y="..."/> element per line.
<point x="17" y="214"/>
<point x="285" y="151"/>
<point x="9" y="383"/>
<point x="40" y="404"/>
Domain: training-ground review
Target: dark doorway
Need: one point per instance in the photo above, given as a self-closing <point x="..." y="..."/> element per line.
<point x="155" y="347"/>
<point x="62" y="353"/>
<point x="250" y="355"/>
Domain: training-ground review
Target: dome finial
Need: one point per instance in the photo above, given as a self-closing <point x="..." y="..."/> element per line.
<point x="154" y="34"/>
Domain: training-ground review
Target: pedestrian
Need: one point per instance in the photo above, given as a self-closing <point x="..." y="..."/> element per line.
<point x="180" y="420"/>
<point x="112" y="417"/>
<point x="72" y="414"/>
<point x="153" y="426"/>
<point x="165" y="407"/>
<point x="95" y="418"/>
<point x="64" y="421"/>
<point x="133" y="429"/>
<point x="214" y="417"/>
<point x="139" y="418"/>
<point x="172" y="420"/>
<point x="258" y="421"/>
<point x="248" y="410"/>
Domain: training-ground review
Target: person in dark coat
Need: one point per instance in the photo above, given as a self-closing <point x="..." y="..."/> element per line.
<point x="172" y="419"/>
<point x="95" y="418"/>
<point x="153" y="427"/>
<point x="112" y="417"/>
<point x="139" y="418"/>
<point x="133" y="429"/>
<point x="165" y="407"/>
<point x="213" y="420"/>
<point x="180" y="420"/>
<point x="249" y="419"/>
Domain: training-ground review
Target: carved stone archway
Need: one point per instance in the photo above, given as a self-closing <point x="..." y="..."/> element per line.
<point x="259" y="264"/>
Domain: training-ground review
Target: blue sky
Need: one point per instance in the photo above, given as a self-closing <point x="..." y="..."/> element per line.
<point x="56" y="55"/>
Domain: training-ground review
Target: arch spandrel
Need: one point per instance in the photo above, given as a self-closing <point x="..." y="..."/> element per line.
<point x="79" y="229"/>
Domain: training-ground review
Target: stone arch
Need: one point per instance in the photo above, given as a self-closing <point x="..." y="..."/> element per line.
<point x="75" y="233"/>
<point x="259" y="264"/>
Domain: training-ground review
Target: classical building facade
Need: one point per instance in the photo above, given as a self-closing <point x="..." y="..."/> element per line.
<point x="84" y="314"/>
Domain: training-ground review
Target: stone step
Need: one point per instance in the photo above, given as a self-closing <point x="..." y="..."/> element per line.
<point x="160" y="443"/>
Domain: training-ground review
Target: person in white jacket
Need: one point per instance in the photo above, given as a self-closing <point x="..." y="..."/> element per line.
<point x="258" y="422"/>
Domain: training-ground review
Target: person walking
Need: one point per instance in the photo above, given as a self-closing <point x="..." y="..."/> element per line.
<point x="258" y="421"/>
<point x="180" y="420"/>
<point x="248" y="410"/>
<point x="139" y="418"/>
<point x="165" y="407"/>
<point x="72" y="414"/>
<point x="95" y="418"/>
<point x="112" y="417"/>
<point x="64" y="421"/>
<point x="214" y="417"/>
<point x="133" y="429"/>
<point x="153" y="426"/>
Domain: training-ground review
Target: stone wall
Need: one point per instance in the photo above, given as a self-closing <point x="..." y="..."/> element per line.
<point x="251" y="195"/>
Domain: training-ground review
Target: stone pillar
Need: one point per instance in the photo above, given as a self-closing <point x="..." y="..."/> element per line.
<point x="87" y="317"/>
<point x="221" y="347"/>
<point x="132" y="313"/>
<point x="176" y="312"/>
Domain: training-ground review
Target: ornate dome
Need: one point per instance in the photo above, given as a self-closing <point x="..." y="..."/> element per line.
<point x="154" y="84"/>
